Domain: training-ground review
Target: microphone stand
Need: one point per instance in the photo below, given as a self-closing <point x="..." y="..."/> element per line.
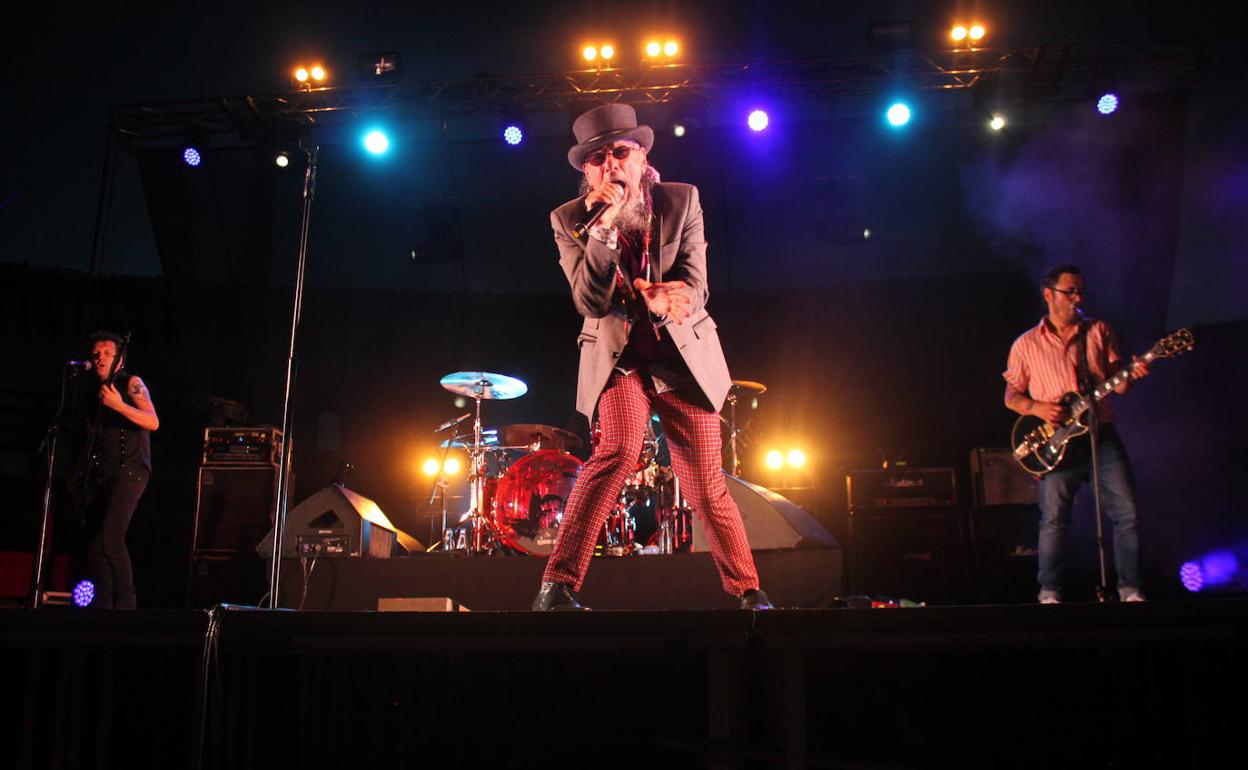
<point x="45" y="520"/>
<point x="1094" y="434"/>
<point x="284" y="454"/>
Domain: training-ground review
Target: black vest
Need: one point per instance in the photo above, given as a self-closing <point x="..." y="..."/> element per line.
<point x="121" y="443"/>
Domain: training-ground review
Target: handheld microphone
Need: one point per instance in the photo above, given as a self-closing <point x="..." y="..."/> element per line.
<point x="594" y="214"/>
<point x="452" y="423"/>
<point x="84" y="365"/>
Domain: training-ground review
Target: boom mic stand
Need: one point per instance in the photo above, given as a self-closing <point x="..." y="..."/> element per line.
<point x="45" y="521"/>
<point x="284" y="454"/>
<point x="1094" y="434"/>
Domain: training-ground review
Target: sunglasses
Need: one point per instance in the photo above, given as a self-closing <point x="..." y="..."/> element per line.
<point x="619" y="152"/>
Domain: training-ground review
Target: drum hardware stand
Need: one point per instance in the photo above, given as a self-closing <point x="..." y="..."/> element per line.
<point x="440" y="485"/>
<point x="733" y="465"/>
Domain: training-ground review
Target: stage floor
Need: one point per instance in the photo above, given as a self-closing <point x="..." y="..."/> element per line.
<point x="1072" y="685"/>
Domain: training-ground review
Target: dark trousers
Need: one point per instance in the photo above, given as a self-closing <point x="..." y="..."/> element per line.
<point x="113" y="501"/>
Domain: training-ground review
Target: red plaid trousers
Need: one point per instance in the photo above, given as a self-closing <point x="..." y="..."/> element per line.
<point x="692" y="433"/>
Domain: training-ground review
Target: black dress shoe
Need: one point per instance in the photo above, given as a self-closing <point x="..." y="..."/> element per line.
<point x="557" y="597"/>
<point x="755" y="599"/>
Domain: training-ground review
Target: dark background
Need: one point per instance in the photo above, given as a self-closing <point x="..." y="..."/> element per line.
<point x="878" y="348"/>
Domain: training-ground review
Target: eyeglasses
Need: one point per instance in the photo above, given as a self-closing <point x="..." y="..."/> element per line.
<point x="1070" y="292"/>
<point x="619" y="152"/>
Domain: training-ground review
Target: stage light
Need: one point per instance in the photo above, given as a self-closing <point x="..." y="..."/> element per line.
<point x="997" y="123"/>
<point x="607" y="52"/>
<point x="1191" y="577"/>
<point x="976" y="32"/>
<point x="653" y="49"/>
<point x="758" y="120"/>
<point x="1107" y="103"/>
<point x="513" y="135"/>
<point x="678" y="130"/>
<point x="866" y="233"/>
<point x="796" y="458"/>
<point x="431" y="467"/>
<point x="898" y="114"/>
<point x="774" y="460"/>
<point x="958" y="33"/>
<point x="1220" y="569"/>
<point x="589" y="52"/>
<point x="191" y="157"/>
<point x="452" y="466"/>
<point x="84" y="593"/>
<point x="282" y="159"/>
<point x="318" y="73"/>
<point x="671" y="48"/>
<point x="302" y="74"/>
<point x="376" y="142"/>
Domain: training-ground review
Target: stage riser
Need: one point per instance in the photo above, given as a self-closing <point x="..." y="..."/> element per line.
<point x="799" y="578"/>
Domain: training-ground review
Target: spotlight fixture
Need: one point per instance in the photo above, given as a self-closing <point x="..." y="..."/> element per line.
<point x="1107" y="104"/>
<point x="194" y="145"/>
<point x="84" y="593"/>
<point x="653" y="49"/>
<point x="758" y="120"/>
<point x="607" y="52"/>
<point x="282" y="159"/>
<point x="671" y="48"/>
<point x="387" y="65"/>
<point x="309" y="75"/>
<point x="661" y="49"/>
<point x="376" y="142"/>
<point x="589" y="52"/>
<point x="318" y="73"/>
<point x="958" y="33"/>
<point x="302" y="75"/>
<point x="513" y="134"/>
<point x="997" y="122"/>
<point x="898" y="114"/>
<point x="678" y="130"/>
<point x="976" y="32"/>
<point x="601" y="52"/>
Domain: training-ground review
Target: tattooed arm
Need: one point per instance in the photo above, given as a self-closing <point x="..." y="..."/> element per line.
<point x="142" y="413"/>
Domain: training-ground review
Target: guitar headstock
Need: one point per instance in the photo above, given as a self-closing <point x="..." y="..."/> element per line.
<point x="1173" y="344"/>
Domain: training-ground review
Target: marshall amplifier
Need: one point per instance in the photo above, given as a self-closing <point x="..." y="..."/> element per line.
<point x="241" y="446"/>
<point x="901" y="488"/>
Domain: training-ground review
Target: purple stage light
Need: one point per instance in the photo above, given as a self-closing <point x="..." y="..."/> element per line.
<point x="84" y="593"/>
<point x="1107" y="103"/>
<point x="1191" y="576"/>
<point x="758" y="120"/>
<point x="192" y="157"/>
<point x="513" y="135"/>
<point x="1219" y="567"/>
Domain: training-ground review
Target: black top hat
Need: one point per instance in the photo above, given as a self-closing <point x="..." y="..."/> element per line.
<point x="603" y="125"/>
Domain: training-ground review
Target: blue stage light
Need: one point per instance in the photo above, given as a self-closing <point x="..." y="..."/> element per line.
<point x="1107" y="103"/>
<point x="513" y="135"/>
<point x="898" y="114"/>
<point x="191" y="157"/>
<point x="84" y="593"/>
<point x="758" y="120"/>
<point x="376" y="142"/>
<point x="1216" y="569"/>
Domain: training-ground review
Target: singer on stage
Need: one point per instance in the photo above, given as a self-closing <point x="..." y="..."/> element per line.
<point x="114" y="469"/>
<point x="638" y="276"/>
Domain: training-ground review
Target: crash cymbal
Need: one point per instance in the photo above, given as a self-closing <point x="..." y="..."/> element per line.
<point x="548" y="436"/>
<point x="487" y="385"/>
<point x="749" y="386"/>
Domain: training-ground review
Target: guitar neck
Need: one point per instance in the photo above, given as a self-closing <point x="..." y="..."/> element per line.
<point x="1108" y="386"/>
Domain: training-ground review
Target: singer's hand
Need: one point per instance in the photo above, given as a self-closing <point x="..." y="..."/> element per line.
<point x="611" y="193"/>
<point x="110" y="397"/>
<point x="668" y="298"/>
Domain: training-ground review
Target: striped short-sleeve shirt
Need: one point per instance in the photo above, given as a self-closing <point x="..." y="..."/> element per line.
<point x="1045" y="368"/>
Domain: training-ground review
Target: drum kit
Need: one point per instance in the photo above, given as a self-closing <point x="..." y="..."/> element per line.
<point x="521" y="476"/>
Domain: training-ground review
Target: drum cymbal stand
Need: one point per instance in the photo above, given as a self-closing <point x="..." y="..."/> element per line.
<point x="483" y="538"/>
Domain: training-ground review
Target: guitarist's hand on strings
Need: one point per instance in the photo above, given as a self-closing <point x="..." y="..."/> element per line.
<point x="1050" y="412"/>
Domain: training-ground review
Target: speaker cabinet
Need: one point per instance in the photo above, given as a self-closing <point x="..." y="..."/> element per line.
<point x="337" y="521"/>
<point x="998" y="480"/>
<point x="1004" y="541"/>
<point x="909" y="553"/>
<point x="234" y="508"/>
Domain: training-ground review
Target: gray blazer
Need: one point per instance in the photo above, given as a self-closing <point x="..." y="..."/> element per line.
<point x="589" y="267"/>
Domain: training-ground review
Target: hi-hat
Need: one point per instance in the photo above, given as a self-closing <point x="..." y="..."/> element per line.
<point x="749" y="386"/>
<point x="486" y="385"/>
<point x="549" y="437"/>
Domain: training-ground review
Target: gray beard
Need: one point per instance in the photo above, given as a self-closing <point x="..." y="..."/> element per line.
<point x="632" y="220"/>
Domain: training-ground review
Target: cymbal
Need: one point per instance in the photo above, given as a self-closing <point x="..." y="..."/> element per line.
<point x="487" y="385"/>
<point x="548" y="436"/>
<point x="749" y="386"/>
<point x="489" y="438"/>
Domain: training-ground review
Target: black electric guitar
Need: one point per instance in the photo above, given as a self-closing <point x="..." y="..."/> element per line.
<point x="1040" y="446"/>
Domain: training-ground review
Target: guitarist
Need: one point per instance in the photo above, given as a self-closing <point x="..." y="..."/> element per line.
<point x="116" y="465"/>
<point x="1067" y="352"/>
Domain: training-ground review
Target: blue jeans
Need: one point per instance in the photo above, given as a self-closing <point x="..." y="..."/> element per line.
<point x="1057" y="493"/>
